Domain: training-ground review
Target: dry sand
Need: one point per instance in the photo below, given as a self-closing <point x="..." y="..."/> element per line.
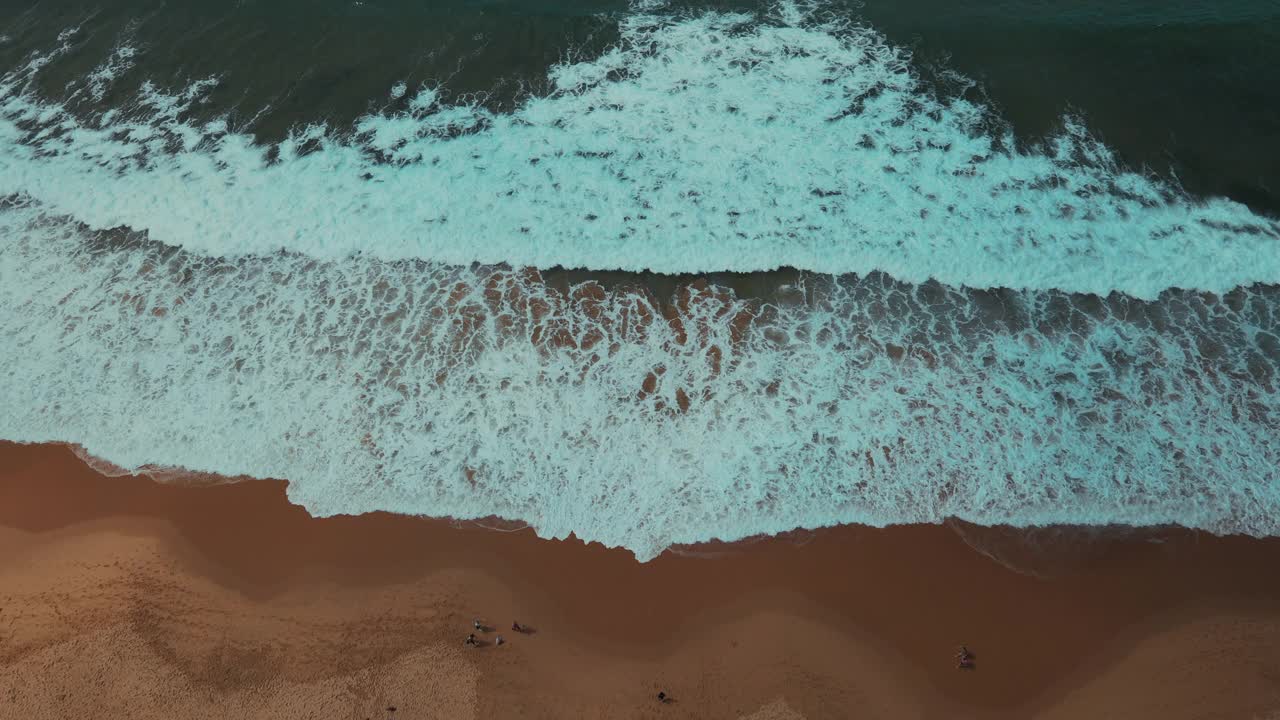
<point x="124" y="598"/>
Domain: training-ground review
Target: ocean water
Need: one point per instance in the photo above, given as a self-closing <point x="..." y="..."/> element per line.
<point x="988" y="308"/>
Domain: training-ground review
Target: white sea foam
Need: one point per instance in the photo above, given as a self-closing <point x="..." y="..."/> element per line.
<point x="375" y="368"/>
<point x="698" y="143"/>
<point x="418" y="388"/>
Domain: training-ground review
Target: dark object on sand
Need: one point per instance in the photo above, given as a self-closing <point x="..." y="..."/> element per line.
<point x="471" y="640"/>
<point x="964" y="659"/>
<point x="515" y="626"/>
<point x="478" y="625"/>
<point x="498" y="640"/>
<point x="662" y="697"/>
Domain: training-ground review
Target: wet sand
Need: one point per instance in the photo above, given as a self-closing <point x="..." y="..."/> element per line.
<point x="123" y="597"/>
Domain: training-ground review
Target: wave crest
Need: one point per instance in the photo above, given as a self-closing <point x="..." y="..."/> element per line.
<point x="698" y="143"/>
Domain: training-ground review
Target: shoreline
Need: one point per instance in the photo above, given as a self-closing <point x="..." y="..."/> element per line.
<point x="1003" y="544"/>
<point x="219" y="578"/>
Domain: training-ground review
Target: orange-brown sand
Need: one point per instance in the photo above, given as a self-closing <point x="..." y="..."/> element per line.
<point x="125" y="598"/>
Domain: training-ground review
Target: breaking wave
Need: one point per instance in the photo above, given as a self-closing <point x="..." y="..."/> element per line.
<point x="420" y="388"/>
<point x="707" y="142"/>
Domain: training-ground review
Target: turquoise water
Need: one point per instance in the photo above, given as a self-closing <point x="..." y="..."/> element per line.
<point x="991" y="311"/>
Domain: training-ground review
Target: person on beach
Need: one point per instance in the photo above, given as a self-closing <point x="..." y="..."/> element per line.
<point x="516" y="627"/>
<point x="498" y="640"/>
<point x="471" y="640"/>
<point x="479" y="626"/>
<point x="964" y="658"/>
<point x="663" y="697"/>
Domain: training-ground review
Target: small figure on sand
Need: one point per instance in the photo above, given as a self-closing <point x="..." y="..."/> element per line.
<point x="498" y="640"/>
<point x="663" y="697"/>
<point x="471" y="640"/>
<point x="479" y="626"/>
<point x="516" y="627"/>
<point x="964" y="658"/>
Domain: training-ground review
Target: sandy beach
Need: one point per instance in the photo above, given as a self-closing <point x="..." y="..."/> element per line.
<point x="123" y="597"/>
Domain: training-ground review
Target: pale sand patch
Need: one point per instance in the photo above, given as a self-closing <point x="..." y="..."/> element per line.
<point x="118" y="672"/>
<point x="102" y="624"/>
<point x="1215" y="668"/>
<point x="776" y="710"/>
